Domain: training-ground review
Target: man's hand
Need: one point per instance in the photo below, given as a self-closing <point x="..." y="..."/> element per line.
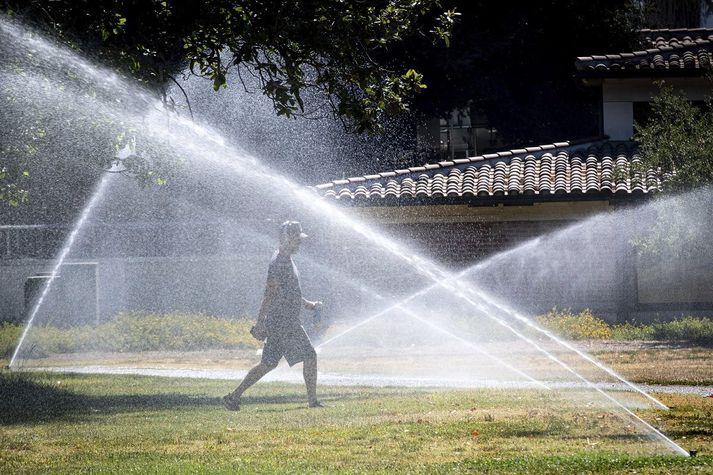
<point x="259" y="330"/>
<point x="311" y="305"/>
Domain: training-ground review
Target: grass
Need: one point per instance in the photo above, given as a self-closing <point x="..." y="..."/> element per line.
<point x="63" y="423"/>
<point x="661" y="364"/>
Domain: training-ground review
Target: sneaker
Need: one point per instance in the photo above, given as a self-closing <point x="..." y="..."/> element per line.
<point x="231" y="402"/>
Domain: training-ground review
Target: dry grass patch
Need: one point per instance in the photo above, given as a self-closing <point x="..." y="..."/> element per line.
<point x="661" y="364"/>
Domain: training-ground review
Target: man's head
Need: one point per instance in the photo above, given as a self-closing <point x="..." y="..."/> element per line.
<point x="291" y="236"/>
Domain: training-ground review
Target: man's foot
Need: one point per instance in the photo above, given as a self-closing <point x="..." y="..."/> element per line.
<point x="315" y="404"/>
<point x="231" y="402"/>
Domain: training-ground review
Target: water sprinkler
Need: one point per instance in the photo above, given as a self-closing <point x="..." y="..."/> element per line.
<point x="692" y="453"/>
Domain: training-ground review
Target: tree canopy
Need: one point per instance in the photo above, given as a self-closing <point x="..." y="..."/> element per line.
<point x="677" y="140"/>
<point x="292" y="46"/>
<point x="327" y="48"/>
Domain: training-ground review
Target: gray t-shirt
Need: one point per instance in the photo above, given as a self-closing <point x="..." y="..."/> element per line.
<point x="284" y="310"/>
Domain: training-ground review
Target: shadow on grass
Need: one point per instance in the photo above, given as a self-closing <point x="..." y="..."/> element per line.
<point x="24" y="400"/>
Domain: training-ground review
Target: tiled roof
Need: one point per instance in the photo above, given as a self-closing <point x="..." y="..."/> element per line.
<point x="558" y="170"/>
<point x="664" y="52"/>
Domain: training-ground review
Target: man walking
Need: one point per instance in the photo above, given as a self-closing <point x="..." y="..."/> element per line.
<point x="279" y="321"/>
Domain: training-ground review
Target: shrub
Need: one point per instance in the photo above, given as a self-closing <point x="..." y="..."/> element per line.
<point x="697" y="330"/>
<point x="136" y="332"/>
<point x="630" y="331"/>
<point x="575" y="326"/>
<point x="9" y="334"/>
<point x="694" y="329"/>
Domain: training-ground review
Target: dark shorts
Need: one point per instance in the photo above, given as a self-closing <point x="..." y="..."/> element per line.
<point x="292" y="343"/>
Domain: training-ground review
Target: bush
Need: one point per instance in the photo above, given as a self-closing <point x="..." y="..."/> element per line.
<point x="575" y="326"/>
<point x="136" y="332"/>
<point x="9" y="335"/>
<point x="694" y="329"/>
<point x="697" y="330"/>
<point x="630" y="331"/>
<point x="584" y="325"/>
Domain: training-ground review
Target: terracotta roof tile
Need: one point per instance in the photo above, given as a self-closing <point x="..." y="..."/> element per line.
<point x="664" y="52"/>
<point x="554" y="169"/>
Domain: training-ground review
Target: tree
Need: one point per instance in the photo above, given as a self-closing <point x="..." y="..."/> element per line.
<point x="677" y="141"/>
<point x="324" y="47"/>
<point x="292" y="46"/>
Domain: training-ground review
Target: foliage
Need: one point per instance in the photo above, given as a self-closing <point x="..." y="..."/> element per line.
<point x="292" y="46"/>
<point x="581" y="326"/>
<point x="698" y="330"/>
<point x="135" y="332"/>
<point x="631" y="331"/>
<point x="586" y="326"/>
<point x="9" y="336"/>
<point x="51" y="142"/>
<point x="10" y="192"/>
<point x="681" y="232"/>
<point x="677" y="141"/>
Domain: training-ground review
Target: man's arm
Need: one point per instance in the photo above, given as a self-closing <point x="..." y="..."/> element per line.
<point x="267" y="298"/>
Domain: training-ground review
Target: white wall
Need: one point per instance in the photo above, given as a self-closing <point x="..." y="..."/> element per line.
<point x="618" y="96"/>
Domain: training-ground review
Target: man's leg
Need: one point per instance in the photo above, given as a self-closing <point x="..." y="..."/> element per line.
<point x="271" y="356"/>
<point x="309" y="370"/>
<point x="251" y="378"/>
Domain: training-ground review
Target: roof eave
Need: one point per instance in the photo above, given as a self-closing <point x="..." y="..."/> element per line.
<point x="638" y="73"/>
<point x="492" y="200"/>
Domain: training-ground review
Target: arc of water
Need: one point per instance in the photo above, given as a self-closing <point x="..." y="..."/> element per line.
<point x="69" y="242"/>
<point x="419" y="264"/>
<point x="477" y="348"/>
<point x="411" y="314"/>
<point x="243" y="165"/>
<point x="458" y="279"/>
<point x="549" y="355"/>
<point x="587" y="382"/>
<point x="504" y="309"/>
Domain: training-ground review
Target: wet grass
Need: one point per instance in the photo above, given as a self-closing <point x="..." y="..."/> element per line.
<point x="64" y="423"/>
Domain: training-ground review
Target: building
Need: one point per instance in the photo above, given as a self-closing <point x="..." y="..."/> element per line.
<point x="466" y="209"/>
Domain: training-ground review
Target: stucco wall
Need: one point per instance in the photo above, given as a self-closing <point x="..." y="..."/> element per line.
<point x="618" y="96"/>
<point x="217" y="286"/>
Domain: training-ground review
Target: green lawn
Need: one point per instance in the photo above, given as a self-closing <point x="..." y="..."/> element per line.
<point x="63" y="423"/>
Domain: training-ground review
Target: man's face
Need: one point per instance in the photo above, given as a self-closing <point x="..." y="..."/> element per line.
<point x="292" y="245"/>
